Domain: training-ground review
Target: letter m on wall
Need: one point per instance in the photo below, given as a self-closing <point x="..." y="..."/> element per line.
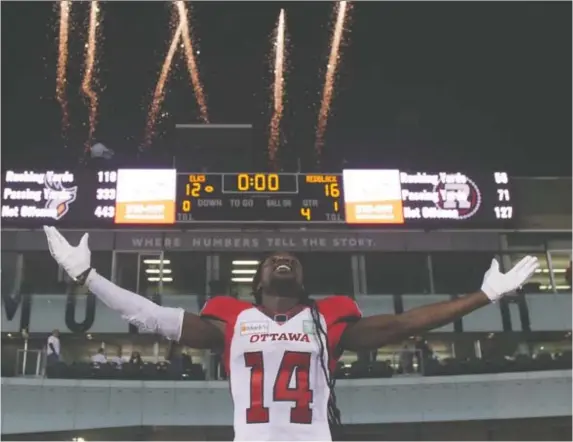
<point x="15" y="312"/>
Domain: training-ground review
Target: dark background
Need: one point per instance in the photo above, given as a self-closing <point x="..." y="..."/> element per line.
<point x="421" y="84"/>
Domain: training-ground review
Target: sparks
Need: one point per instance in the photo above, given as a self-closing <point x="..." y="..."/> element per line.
<point x="61" y="79"/>
<point x="89" y="70"/>
<point x="329" y="79"/>
<point x="191" y="62"/>
<point x="159" y="93"/>
<point x="278" y="90"/>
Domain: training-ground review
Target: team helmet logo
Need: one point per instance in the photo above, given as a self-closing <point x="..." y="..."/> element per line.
<point x="58" y="197"/>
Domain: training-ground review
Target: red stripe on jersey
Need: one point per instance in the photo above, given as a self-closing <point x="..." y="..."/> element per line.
<point x="338" y="313"/>
<point x="227" y="310"/>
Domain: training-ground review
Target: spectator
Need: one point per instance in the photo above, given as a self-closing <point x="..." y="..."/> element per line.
<point x="117" y="359"/>
<point x="406" y="359"/>
<point x="53" y="348"/>
<point x="423" y="352"/>
<point x="174" y="357"/>
<point x="187" y="360"/>
<point x="135" y="358"/>
<point x="99" y="357"/>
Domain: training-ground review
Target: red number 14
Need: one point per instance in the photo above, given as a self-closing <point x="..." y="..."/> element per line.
<point x="293" y="362"/>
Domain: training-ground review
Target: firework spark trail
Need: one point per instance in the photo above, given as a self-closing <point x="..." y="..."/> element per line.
<point x="329" y="79"/>
<point x="89" y="69"/>
<point x="191" y="62"/>
<point x="159" y="93"/>
<point x="278" y="89"/>
<point x="61" y="79"/>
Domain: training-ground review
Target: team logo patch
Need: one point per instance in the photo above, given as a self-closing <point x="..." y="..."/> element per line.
<point x="250" y="328"/>
<point x="308" y="327"/>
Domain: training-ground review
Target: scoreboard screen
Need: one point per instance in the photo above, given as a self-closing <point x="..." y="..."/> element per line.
<point x="259" y="197"/>
<point x="167" y="197"/>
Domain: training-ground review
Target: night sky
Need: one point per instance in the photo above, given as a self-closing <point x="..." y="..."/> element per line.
<point x="421" y="85"/>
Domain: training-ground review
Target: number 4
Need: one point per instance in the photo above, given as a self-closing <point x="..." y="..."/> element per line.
<point x="301" y="394"/>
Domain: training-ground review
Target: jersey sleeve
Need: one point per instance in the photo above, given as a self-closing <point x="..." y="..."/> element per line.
<point x="224" y="308"/>
<point x="338" y="313"/>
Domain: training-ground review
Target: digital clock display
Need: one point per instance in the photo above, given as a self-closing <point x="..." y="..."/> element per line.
<point x="257" y="183"/>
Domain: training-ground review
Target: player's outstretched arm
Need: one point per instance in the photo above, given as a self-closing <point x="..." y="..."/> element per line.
<point x="173" y="323"/>
<point x="376" y="331"/>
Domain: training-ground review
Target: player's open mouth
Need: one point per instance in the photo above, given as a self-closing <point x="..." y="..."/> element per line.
<point x="283" y="268"/>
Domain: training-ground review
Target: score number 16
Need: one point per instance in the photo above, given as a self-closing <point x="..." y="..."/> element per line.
<point x="330" y="190"/>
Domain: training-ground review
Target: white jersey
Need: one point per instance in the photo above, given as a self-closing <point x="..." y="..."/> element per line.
<point x="278" y="384"/>
<point x="55" y="341"/>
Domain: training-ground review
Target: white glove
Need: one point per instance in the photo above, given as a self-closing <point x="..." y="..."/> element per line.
<point x="74" y="260"/>
<point x="496" y="284"/>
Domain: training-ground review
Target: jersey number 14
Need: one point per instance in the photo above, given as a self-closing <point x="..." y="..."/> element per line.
<point x="293" y="362"/>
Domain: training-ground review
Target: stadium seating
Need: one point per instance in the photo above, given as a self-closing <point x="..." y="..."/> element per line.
<point x="161" y="371"/>
<point x="452" y="367"/>
<point x="356" y="370"/>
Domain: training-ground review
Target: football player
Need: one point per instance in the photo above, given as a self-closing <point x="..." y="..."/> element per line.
<point x="280" y="351"/>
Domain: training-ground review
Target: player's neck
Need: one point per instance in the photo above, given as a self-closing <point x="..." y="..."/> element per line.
<point x="279" y="304"/>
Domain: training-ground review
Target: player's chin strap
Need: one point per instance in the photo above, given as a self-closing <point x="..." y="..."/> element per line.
<point x="136" y="309"/>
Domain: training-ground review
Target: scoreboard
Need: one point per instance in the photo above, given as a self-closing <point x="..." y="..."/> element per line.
<point x="168" y="197"/>
<point x="259" y="197"/>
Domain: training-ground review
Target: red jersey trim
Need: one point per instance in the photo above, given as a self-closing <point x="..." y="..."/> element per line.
<point x="339" y="312"/>
<point x="227" y="310"/>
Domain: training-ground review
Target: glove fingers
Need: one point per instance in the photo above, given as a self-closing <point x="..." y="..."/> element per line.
<point x="55" y="240"/>
<point x="49" y="238"/>
<point x="525" y="268"/>
<point x="522" y="264"/>
<point x="61" y="241"/>
<point x="527" y="263"/>
<point x="494" y="265"/>
<point x="84" y="240"/>
<point x="530" y="268"/>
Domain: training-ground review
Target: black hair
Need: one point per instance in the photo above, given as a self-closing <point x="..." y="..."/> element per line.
<point x="333" y="411"/>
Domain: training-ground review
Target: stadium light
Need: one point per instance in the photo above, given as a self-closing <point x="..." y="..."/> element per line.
<point x="157" y="279"/>
<point x="156" y="261"/>
<point x="157" y="271"/>
<point x="547" y="271"/>
<point x="245" y="262"/>
<point x="243" y="279"/>
<point x="557" y="287"/>
<point x="243" y="271"/>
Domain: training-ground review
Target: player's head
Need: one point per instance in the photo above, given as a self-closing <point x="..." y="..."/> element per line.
<point x="279" y="274"/>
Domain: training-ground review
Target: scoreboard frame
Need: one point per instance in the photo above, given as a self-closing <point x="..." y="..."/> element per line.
<point x="192" y="198"/>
